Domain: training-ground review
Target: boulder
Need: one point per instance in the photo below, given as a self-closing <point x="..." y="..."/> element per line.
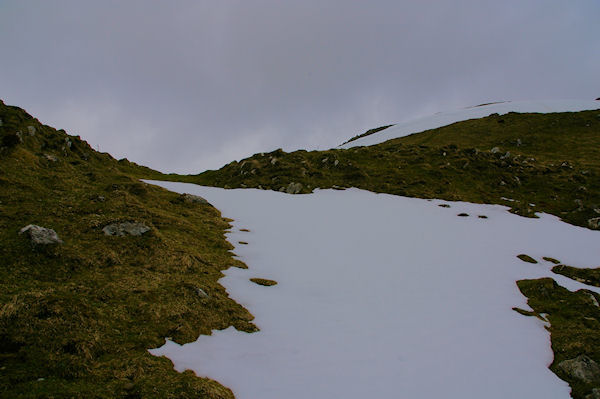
<point x="126" y="228"/>
<point x="582" y="368"/>
<point x="594" y="223"/>
<point x="294" y="188"/>
<point x="41" y="235"/>
<point x="495" y="150"/>
<point x="31" y="130"/>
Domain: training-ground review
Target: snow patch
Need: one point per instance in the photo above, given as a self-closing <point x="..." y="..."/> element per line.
<point x="383" y="296"/>
<point x="447" y="118"/>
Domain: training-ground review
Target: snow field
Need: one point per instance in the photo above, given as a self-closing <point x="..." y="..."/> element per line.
<point x="383" y="296"/>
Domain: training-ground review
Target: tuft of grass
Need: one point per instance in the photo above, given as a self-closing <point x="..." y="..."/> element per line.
<point x="527" y="258"/>
<point x="574" y="325"/>
<point x="262" y="281"/>
<point x="77" y="319"/>
<point x="551" y="260"/>
<point x="586" y="276"/>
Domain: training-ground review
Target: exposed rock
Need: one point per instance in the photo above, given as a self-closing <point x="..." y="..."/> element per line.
<point x="50" y="158"/>
<point x="294" y="188"/>
<point x="201" y="293"/>
<point x="41" y="235"/>
<point x="193" y="199"/>
<point x="495" y="150"/>
<point x="31" y="130"/>
<point x="20" y="136"/>
<point x="68" y="142"/>
<point x="273" y="161"/>
<point x="126" y="228"/>
<point x="594" y="223"/>
<point x="336" y="162"/>
<point x="444" y="205"/>
<point x="582" y="367"/>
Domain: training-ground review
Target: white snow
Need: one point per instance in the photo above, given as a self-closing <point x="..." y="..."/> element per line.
<point x="381" y="296"/>
<point x="447" y="118"/>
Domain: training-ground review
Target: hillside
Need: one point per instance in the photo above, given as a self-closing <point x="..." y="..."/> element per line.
<point x="77" y="318"/>
<point x="531" y="162"/>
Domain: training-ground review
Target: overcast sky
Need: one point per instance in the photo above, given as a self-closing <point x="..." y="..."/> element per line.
<point x="184" y="86"/>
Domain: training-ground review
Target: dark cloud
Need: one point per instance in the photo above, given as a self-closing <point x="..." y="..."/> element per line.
<point x="189" y="85"/>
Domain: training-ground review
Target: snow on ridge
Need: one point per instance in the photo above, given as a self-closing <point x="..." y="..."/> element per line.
<point x="383" y="296"/>
<point x="479" y="111"/>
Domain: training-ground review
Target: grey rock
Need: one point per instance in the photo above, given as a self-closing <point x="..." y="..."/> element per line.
<point x="41" y="235"/>
<point x="193" y="199"/>
<point x="594" y="223"/>
<point x="20" y="136"/>
<point x="31" y="130"/>
<point x="582" y="368"/>
<point x="68" y="142"/>
<point x="495" y="150"/>
<point x="201" y="293"/>
<point x="50" y="158"/>
<point x="126" y="228"/>
<point x="294" y="188"/>
<point x="273" y="161"/>
<point x="336" y="162"/>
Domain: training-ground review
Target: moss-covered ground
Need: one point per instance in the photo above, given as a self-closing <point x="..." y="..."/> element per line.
<point x="530" y="162"/>
<point x="77" y="319"/>
<point x="574" y="325"/>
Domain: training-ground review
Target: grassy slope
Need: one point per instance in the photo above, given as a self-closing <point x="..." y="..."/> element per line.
<point x="76" y="320"/>
<point x="554" y="163"/>
<point x="574" y="325"/>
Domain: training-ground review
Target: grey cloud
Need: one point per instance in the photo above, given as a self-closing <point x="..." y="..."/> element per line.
<point x="184" y="86"/>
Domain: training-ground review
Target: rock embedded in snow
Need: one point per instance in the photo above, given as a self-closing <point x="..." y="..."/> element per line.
<point x="126" y="228"/>
<point x="41" y="235"/>
<point x="594" y="223"/>
<point x="582" y="367"/>
<point x="294" y="188"/>
<point x="263" y="281"/>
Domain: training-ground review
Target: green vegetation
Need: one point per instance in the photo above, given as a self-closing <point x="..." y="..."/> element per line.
<point x="526" y="258"/>
<point x="262" y="281"/>
<point x="539" y="163"/>
<point x="574" y="326"/>
<point x="586" y="276"/>
<point x="77" y="319"/>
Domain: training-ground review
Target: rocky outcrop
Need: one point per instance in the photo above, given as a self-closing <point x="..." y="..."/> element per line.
<point x="41" y="235"/>
<point x="582" y="368"/>
<point x="126" y="228"/>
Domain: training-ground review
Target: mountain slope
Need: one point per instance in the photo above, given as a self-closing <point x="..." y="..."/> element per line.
<point x="549" y="160"/>
<point x="77" y="318"/>
<point x="441" y="119"/>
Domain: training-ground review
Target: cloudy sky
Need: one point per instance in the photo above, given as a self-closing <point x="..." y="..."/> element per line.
<point x="184" y="86"/>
